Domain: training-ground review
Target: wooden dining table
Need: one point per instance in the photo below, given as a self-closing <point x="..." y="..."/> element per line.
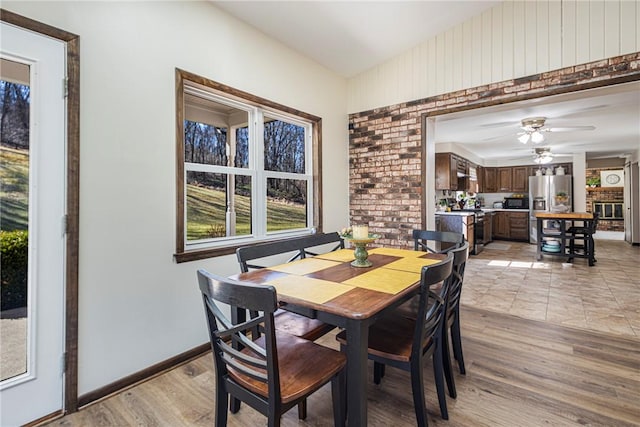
<point x="329" y="288"/>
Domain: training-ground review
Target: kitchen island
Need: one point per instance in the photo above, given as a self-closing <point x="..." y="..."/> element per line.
<point x="555" y="239"/>
<point x="459" y="222"/>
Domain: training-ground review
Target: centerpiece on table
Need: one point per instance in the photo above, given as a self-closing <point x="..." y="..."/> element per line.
<point x="359" y="236"/>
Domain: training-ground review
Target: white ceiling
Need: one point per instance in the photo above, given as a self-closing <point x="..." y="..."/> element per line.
<point x="349" y="37"/>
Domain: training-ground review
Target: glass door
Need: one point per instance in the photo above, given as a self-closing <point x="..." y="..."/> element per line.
<point x="32" y="204"/>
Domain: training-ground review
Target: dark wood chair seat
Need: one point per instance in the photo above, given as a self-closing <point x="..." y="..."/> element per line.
<point x="295" y="357"/>
<point x="301" y="326"/>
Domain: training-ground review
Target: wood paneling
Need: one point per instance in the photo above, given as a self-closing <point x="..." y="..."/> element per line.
<point x="511" y="40"/>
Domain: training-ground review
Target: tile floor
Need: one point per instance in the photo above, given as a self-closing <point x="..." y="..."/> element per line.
<point x="506" y="278"/>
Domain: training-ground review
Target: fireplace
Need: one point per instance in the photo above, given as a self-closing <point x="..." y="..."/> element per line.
<point x="609" y="209"/>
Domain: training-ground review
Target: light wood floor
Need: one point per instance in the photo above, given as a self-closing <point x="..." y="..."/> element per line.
<point x="520" y="371"/>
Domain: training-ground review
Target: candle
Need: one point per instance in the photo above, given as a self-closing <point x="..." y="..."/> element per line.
<point x="360" y="231"/>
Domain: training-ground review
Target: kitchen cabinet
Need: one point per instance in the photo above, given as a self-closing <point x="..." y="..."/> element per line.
<point x="511" y="225"/>
<point x="505" y="179"/>
<point x="519" y="226"/>
<point x="520" y="179"/>
<point x="464" y="224"/>
<point x="487" y="236"/>
<point x="446" y="171"/>
<point x="490" y="180"/>
<point x="501" y="225"/>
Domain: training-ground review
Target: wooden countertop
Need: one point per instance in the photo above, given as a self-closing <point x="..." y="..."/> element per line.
<point x="565" y="215"/>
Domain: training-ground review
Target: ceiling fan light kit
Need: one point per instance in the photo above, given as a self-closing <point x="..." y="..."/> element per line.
<point x="543" y="156"/>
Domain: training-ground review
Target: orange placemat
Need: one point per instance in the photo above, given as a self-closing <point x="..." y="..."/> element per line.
<point x="384" y="280"/>
<point x="403" y="253"/>
<point x="304" y="266"/>
<point x="411" y="264"/>
<point x="342" y="255"/>
<point x="305" y="288"/>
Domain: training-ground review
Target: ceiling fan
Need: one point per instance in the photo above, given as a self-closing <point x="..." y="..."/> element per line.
<point x="543" y="155"/>
<point x="533" y="129"/>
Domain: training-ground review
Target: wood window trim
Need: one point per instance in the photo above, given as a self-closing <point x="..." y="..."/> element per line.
<point x="183" y="255"/>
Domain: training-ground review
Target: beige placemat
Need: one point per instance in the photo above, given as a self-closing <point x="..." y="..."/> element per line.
<point x="304" y="266"/>
<point x="403" y="253"/>
<point x="384" y="280"/>
<point x="305" y="288"/>
<point x="411" y="264"/>
<point x="342" y="255"/>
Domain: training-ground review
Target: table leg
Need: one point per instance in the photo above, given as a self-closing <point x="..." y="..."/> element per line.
<point x="357" y="344"/>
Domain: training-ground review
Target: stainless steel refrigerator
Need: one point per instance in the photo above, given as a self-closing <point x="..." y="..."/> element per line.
<point x="548" y="193"/>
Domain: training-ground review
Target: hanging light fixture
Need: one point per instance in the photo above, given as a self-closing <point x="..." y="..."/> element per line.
<point x="543" y="156"/>
<point x="532" y="128"/>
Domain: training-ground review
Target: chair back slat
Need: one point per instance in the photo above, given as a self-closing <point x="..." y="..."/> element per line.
<point x="422" y="237"/>
<point x="298" y="246"/>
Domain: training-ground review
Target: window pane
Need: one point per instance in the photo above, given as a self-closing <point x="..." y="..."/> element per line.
<point x="283" y="146"/>
<point x="207" y="128"/>
<point x="14" y="225"/>
<point x="242" y="147"/>
<point x="205" y="144"/>
<point x="210" y="212"/>
<point x="286" y="204"/>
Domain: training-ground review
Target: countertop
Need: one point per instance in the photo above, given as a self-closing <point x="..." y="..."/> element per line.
<point x="564" y="215"/>
<point x="460" y="213"/>
<point x="504" y="210"/>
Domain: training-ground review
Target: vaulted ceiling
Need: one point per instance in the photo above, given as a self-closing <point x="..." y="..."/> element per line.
<point x="349" y="37"/>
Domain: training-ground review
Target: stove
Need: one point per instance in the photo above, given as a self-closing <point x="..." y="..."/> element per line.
<point x="478" y="234"/>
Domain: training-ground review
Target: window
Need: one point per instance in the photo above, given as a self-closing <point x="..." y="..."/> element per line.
<point x="247" y="169"/>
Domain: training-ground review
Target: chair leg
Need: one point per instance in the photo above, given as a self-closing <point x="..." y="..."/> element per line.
<point x="456" y="341"/>
<point x="378" y="372"/>
<point x="302" y="410"/>
<point x="446" y="362"/>
<point x="339" y="398"/>
<point x="222" y="399"/>
<point x="437" y="374"/>
<point x="417" y="390"/>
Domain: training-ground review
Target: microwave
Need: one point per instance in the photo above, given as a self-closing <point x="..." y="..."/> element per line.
<point x="515" y="203"/>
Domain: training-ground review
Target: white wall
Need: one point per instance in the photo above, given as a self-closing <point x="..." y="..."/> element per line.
<point x="513" y="39"/>
<point x="137" y="306"/>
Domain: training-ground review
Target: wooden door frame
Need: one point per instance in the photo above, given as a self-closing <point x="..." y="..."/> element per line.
<point x="72" y="42"/>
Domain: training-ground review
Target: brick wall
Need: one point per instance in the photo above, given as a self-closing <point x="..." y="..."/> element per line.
<point x="605" y="194"/>
<point x="386" y="182"/>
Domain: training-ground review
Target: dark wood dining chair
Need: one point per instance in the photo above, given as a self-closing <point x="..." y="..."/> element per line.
<point x="272" y="373"/>
<point x="254" y="257"/>
<point x="451" y="325"/>
<point x="405" y="343"/>
<point x="451" y="240"/>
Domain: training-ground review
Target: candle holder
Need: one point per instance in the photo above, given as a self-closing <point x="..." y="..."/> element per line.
<point x="360" y="252"/>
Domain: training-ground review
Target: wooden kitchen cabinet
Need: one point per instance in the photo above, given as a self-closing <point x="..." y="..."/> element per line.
<point x="446" y="171"/>
<point x="505" y="179"/>
<point x="489" y="181"/>
<point x="511" y="225"/>
<point x="520" y="179"/>
<point x="519" y="226"/>
<point x="501" y="225"/>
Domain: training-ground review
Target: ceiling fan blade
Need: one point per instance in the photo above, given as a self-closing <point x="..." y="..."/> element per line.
<point x="570" y="128"/>
<point x="491" y="138"/>
<point x="499" y="124"/>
